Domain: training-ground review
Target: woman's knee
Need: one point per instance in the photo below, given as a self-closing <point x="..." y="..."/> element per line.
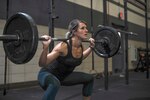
<point x="50" y="79"/>
<point x="88" y="86"/>
<point x="90" y="78"/>
<point x="46" y="79"/>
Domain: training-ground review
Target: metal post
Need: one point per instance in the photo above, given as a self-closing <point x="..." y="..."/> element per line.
<point x="126" y="43"/>
<point x="5" y="76"/>
<point x="52" y="17"/>
<point x="5" y="72"/>
<point x="92" y="33"/>
<point x="51" y="23"/>
<point x="106" y="72"/>
<point x="105" y="59"/>
<point x="147" y="49"/>
<point x="105" y="12"/>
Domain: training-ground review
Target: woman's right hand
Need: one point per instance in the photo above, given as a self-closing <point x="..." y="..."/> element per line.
<point x="46" y="43"/>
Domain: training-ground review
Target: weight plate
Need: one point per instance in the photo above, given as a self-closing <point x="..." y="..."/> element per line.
<point x="109" y="42"/>
<point x="21" y="51"/>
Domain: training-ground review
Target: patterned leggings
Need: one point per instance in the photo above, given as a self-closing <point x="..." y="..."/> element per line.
<point x="51" y="84"/>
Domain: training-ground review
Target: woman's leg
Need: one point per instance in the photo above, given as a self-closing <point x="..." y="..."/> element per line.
<point x="50" y="84"/>
<point x="87" y="88"/>
<point x="81" y="78"/>
<point x="87" y="98"/>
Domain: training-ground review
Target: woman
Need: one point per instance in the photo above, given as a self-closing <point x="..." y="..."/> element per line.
<point x="58" y="65"/>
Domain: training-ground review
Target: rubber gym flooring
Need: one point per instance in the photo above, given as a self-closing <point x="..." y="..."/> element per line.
<point x="137" y="89"/>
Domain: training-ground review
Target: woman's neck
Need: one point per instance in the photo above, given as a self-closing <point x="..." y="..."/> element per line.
<point x="76" y="41"/>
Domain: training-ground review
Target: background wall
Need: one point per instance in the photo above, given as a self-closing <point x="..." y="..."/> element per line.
<point x="68" y="10"/>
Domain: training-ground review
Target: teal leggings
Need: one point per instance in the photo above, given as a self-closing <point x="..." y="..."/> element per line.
<point x="51" y="84"/>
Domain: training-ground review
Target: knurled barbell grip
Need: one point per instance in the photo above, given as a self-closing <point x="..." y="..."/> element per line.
<point x="64" y="39"/>
<point x="53" y="39"/>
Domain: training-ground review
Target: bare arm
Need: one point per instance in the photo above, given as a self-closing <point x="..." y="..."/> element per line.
<point x="43" y="58"/>
<point x="47" y="57"/>
<point x="88" y="50"/>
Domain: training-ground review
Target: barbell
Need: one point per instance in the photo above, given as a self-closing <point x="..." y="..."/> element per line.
<point x="20" y="39"/>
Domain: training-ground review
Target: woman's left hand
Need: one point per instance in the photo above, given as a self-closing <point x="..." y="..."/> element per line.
<point x="92" y="42"/>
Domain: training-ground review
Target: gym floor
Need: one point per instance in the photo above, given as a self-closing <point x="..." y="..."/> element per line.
<point x="137" y="89"/>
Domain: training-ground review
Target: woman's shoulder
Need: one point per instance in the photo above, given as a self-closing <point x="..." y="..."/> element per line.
<point x="61" y="46"/>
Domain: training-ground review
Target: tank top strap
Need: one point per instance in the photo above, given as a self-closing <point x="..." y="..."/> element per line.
<point x="69" y="47"/>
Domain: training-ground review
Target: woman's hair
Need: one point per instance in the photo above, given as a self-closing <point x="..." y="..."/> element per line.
<point x="73" y="26"/>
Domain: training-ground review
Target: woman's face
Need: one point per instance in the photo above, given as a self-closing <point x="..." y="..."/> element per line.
<point x="82" y="31"/>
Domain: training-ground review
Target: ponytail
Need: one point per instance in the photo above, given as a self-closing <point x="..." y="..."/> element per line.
<point x="68" y="35"/>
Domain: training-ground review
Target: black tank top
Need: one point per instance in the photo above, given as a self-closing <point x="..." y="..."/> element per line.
<point x="64" y="65"/>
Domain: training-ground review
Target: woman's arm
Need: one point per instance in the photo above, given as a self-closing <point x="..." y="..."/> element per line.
<point x="46" y="57"/>
<point x="43" y="58"/>
<point x="88" y="50"/>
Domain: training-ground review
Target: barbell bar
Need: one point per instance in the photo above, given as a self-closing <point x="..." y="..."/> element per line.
<point x="9" y="37"/>
<point x="121" y="31"/>
<point x="20" y="39"/>
<point x="103" y="41"/>
<point x="17" y="38"/>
